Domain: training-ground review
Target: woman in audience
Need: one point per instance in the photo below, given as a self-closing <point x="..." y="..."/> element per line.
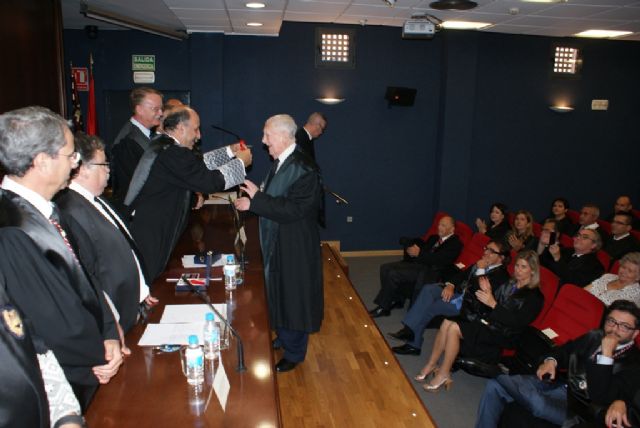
<point x="498" y="225"/>
<point x="559" y="209"/>
<point x="610" y="287"/>
<point x="521" y="235"/>
<point x="514" y="305"/>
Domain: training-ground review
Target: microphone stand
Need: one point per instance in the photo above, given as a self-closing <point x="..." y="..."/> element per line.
<point x="339" y="199"/>
<point x="205" y="297"/>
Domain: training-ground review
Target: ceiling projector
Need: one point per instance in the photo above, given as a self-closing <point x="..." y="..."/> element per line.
<point x="418" y="29"/>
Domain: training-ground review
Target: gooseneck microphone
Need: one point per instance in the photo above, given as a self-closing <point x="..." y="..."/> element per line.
<point x="205" y="297"/>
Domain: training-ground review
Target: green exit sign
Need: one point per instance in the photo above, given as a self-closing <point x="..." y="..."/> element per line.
<point x="143" y="62"/>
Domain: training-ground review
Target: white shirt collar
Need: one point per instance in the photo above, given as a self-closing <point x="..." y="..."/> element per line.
<point x="82" y="191"/>
<point x="285" y="154"/>
<point x="308" y="133"/>
<point x="444" y="238"/>
<point x="617" y="238"/>
<point x="142" y="128"/>
<point x="44" y="206"/>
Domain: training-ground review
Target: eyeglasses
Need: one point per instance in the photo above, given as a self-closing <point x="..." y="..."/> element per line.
<point x="583" y="236"/>
<point x="624" y="327"/>
<point x="99" y="164"/>
<point x="492" y="251"/>
<point x="74" y="156"/>
<point x="620" y="223"/>
<point x="153" y="108"/>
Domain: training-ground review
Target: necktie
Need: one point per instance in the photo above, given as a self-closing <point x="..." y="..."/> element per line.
<point x="54" y="219"/>
<point x="272" y="172"/>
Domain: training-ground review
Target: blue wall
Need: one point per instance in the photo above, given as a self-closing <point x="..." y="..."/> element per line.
<point x="480" y="129"/>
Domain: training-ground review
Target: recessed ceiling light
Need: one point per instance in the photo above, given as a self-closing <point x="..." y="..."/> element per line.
<point x="255" y="5"/>
<point x="464" y="25"/>
<point x="254" y="24"/>
<point x="602" y="33"/>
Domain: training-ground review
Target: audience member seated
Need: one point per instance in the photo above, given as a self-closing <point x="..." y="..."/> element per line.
<point x="625" y="411"/>
<point x="397" y="279"/>
<point x="579" y="266"/>
<point x="623" y="205"/>
<point x="549" y="235"/>
<point x="453" y="297"/>
<point x="610" y="287"/>
<point x="621" y="240"/>
<point x="515" y="304"/>
<point x="596" y="365"/>
<point x="588" y="219"/>
<point x="521" y="237"/>
<point x="559" y="209"/>
<point x="498" y="225"/>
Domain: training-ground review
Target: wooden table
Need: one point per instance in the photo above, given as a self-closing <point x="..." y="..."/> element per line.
<point x="150" y="389"/>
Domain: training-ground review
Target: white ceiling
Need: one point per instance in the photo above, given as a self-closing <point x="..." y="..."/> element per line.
<point x="231" y="16"/>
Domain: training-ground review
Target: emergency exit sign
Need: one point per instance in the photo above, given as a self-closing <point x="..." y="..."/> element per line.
<point x="143" y="62"/>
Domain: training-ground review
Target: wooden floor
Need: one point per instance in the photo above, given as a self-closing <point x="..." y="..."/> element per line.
<point x="350" y="377"/>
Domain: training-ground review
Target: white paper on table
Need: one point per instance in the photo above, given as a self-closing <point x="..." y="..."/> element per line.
<point x="190" y="313"/>
<point x="550" y="333"/>
<point x="188" y="261"/>
<point x="221" y="385"/>
<point x="170" y="333"/>
<point x="221" y="198"/>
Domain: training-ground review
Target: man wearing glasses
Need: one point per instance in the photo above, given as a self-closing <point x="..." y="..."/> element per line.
<point x="596" y="365"/>
<point x="105" y="246"/>
<point x="580" y="266"/>
<point x="66" y="310"/>
<point x="621" y="241"/>
<point x="133" y="139"/>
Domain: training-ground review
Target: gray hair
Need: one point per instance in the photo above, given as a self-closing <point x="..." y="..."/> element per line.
<point x="26" y="132"/>
<point x="284" y="123"/>
<point x="631" y="258"/>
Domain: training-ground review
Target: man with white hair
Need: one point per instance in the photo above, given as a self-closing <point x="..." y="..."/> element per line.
<point x="287" y="203"/>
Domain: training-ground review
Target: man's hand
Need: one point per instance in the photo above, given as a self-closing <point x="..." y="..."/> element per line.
<point x="245" y="156"/>
<point x="249" y="188"/>
<point x="123" y="346"/>
<point x="447" y="292"/>
<point x="151" y="301"/>
<point x="547" y="367"/>
<point x="617" y="415"/>
<point x="413" y="250"/>
<point x="113" y="355"/>
<point x="554" y="250"/>
<point x="242" y="204"/>
<point x="199" y="201"/>
<point x="609" y="343"/>
<point x="482" y="264"/>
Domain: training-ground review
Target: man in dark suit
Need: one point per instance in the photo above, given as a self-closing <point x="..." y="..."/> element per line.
<point x="133" y="139"/>
<point x="596" y="364"/>
<point x="311" y="131"/>
<point x="435" y="256"/>
<point x="588" y="219"/>
<point x="288" y="203"/>
<point x="579" y="266"/>
<point x="161" y="191"/>
<point x="67" y="311"/>
<point x="105" y="246"/>
<point x="35" y="392"/>
<point x="623" y="205"/>
<point x="621" y="240"/>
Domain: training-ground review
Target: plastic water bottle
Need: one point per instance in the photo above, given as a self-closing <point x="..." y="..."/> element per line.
<point x="229" y="270"/>
<point x="211" y="336"/>
<point x="195" y="362"/>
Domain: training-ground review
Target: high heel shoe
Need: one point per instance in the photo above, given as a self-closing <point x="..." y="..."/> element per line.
<point x="422" y="376"/>
<point x="446" y="382"/>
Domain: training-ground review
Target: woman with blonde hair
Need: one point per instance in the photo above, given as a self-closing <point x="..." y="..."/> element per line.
<point x="514" y="305"/>
<point x="521" y="235"/>
<point x="623" y="286"/>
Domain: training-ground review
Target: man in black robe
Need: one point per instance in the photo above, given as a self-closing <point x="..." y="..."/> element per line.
<point x="160" y="193"/>
<point x="288" y="204"/>
<point x="66" y="310"/>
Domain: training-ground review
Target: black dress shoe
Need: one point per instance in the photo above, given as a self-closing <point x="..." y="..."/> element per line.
<point x="275" y="344"/>
<point x="406" y="334"/>
<point x="406" y="349"/>
<point x="285" y="365"/>
<point x="379" y="311"/>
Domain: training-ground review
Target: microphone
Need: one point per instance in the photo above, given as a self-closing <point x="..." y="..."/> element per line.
<point x="205" y="297"/>
<point x="243" y="145"/>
